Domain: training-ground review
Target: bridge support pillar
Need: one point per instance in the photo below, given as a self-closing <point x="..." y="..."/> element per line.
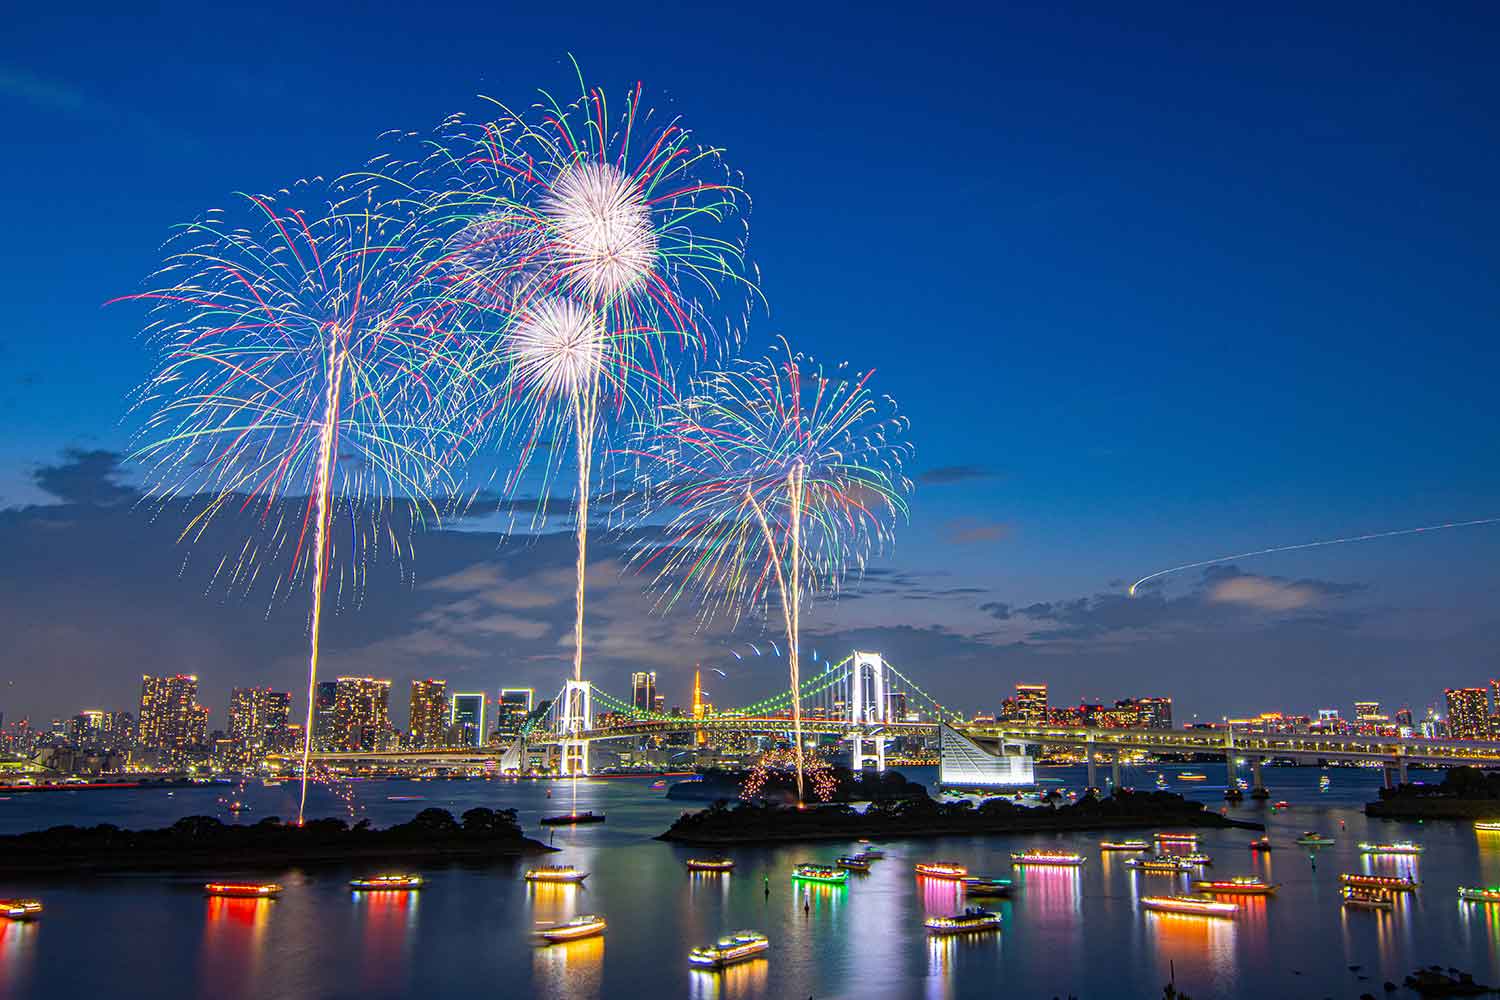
<point x="1401" y="768"/>
<point x="1385" y="774"/>
<point x="1114" y="772"/>
<point x="578" y="715"/>
<point x="867" y="707"/>
<point x="1088" y="752"/>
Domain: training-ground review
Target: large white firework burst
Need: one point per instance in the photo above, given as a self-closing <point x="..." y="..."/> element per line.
<point x="558" y="349"/>
<point x="604" y="244"/>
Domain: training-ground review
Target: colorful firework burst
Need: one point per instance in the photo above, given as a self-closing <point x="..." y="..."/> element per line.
<point x="304" y="379"/>
<point x="773" y="478"/>
<point x="784" y="761"/>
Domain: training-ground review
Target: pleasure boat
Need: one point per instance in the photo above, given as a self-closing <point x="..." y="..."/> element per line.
<point x="820" y="873"/>
<point x="1368" y="899"/>
<point x="1490" y="895"/>
<point x="853" y="862"/>
<point x="582" y="926"/>
<point x="1402" y="847"/>
<point x="1193" y="905"/>
<point x="1314" y="839"/>
<point x="942" y="869"/>
<point x="555" y="873"/>
<point x="718" y="864"/>
<point x="243" y="890"/>
<point x="1240" y="885"/>
<point x="572" y="819"/>
<point x="1123" y="845"/>
<point x="973" y="918"/>
<point x="1387" y="883"/>
<point x="1065" y="859"/>
<point x="387" y="883"/>
<point x="976" y="885"/>
<point x="20" y="909"/>
<point x="729" y="949"/>
<point x="1161" y="864"/>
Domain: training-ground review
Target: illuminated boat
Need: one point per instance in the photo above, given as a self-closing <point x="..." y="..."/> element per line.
<point x="853" y="862"/>
<point x="582" y="926"/>
<point x="555" y="873"/>
<point x="1123" y="845"/>
<point x="729" y="949"/>
<point x="1161" y="864"/>
<point x="719" y="864"/>
<point x="1403" y="847"/>
<point x="387" y="883"/>
<point x="1324" y="782"/>
<point x="1193" y="905"/>
<point x="976" y="885"/>
<point x="1488" y="825"/>
<point x="942" y="869"/>
<point x="1312" y="838"/>
<point x="572" y="819"/>
<point x="1240" y="885"/>
<point x="1368" y="899"/>
<point x="658" y="784"/>
<point x="20" y="909"/>
<point x="243" y="890"/>
<point x="1490" y="895"/>
<point x="1260" y="844"/>
<point x="820" y="873"/>
<point x="1196" y="858"/>
<point x="1177" y="838"/>
<point x="1388" y="883"/>
<point x="973" y="918"/>
<point x="869" y="850"/>
<point x="1192" y="776"/>
<point x="1065" y="859"/>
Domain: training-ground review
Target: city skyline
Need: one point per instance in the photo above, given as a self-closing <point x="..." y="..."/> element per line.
<point x="1115" y="391"/>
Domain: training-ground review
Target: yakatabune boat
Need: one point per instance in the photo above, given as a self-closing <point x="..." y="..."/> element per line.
<point x="20" y="909"/>
<point x="582" y="926"/>
<point x="1193" y="905"/>
<point x="1065" y="859"/>
<point x="730" y="948"/>
<point x="1314" y="839"/>
<point x="1368" y="899"/>
<point x="1389" y="883"/>
<point x="555" y="873"/>
<point x="387" y="883"/>
<point x="853" y="862"/>
<point x="820" y="873"/>
<point x="1260" y="844"/>
<point x="1401" y="847"/>
<point x="973" y="918"/>
<point x="1123" y="845"/>
<point x="1162" y="864"/>
<point x="1490" y="895"/>
<point x="1240" y="885"/>
<point x="709" y="864"/>
<point x="1177" y="838"/>
<point x="572" y="819"/>
<point x="976" y="885"/>
<point x="1488" y="825"/>
<point x="942" y="869"/>
<point x="243" y="890"/>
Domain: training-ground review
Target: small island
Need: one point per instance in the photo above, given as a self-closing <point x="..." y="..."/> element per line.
<point x="748" y="822"/>
<point x="203" y="842"/>
<point x="1465" y="793"/>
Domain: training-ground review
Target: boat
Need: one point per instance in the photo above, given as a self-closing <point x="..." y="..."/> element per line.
<point x="270" y="783"/>
<point x="658" y="784"/>
<point x="1195" y="905"/>
<point x="1123" y="845"/>
<point x="405" y="798"/>
<point x="572" y="819"/>
<point x="719" y="864"/>
<point x="1369" y="899"/>
<point x="729" y="949"/>
<point x="942" y="869"/>
<point x="1323" y="782"/>
<point x="853" y="862"/>
<point x="1161" y="780"/>
<point x="873" y="853"/>
<point x="20" y="909"/>
<point x="978" y="885"/>
<point x="1488" y="825"/>
<point x="1281" y="804"/>
<point x="555" y="873"/>
<point x="820" y="873"/>
<point x="1240" y="885"/>
<point x="1192" y="776"/>
<point x="1490" y="895"/>
<point x="974" y="918"/>
<point x="582" y="926"/>
<point x="1401" y="847"/>
<point x="1161" y="864"/>
<point x="387" y="883"/>
<point x="1260" y="844"/>
<point x="243" y="890"/>
<point x="1066" y="859"/>
<point x="1314" y="839"/>
<point x="1387" y="883"/>
<point x="1176" y="838"/>
<point x="1197" y="858"/>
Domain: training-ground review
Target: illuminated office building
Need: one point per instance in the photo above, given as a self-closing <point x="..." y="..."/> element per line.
<point x="466" y="721"/>
<point x="427" y="727"/>
<point x="171" y="720"/>
<point x="258" y="719"/>
<point x="511" y="711"/>
<point x="1031" y="703"/>
<point x="361" y="714"/>
<point x="643" y="690"/>
<point x="1468" y="713"/>
<point x="325" y="723"/>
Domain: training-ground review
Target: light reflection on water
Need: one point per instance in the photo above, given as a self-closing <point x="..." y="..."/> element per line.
<point x="743" y="979"/>
<point x="570" y="968"/>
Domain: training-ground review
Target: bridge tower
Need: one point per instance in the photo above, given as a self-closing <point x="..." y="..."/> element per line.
<point x="868" y="707"/>
<point x="576" y="716"/>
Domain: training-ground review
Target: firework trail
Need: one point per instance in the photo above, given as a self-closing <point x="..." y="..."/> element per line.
<point x="773" y="477"/>
<point x="303" y="378"/>
<point x="1316" y="545"/>
<point x="610" y="251"/>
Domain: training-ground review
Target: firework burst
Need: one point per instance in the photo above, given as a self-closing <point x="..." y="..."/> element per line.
<point x="303" y="378"/>
<point x="775" y="480"/>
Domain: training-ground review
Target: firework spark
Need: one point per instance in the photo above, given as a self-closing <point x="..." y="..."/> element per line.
<point x="302" y="378"/>
<point x="773" y="478"/>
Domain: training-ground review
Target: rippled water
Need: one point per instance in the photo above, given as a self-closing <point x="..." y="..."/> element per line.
<point x="1079" y="933"/>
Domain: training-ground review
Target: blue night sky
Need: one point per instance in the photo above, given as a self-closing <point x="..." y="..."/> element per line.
<point x="1151" y="286"/>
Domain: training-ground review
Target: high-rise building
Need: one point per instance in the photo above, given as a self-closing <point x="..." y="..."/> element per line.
<point x="1468" y="713"/>
<point x="643" y="690"/>
<point x="258" y="720"/>
<point x="325" y="717"/>
<point x="86" y="729"/>
<point x="511" y="709"/>
<point x="172" y="721"/>
<point x="1156" y="713"/>
<point x="466" y="721"/>
<point x="427" y="728"/>
<point x="1031" y="703"/>
<point x="361" y="714"/>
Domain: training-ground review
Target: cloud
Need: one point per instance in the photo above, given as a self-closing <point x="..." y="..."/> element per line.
<point x="940" y="475"/>
<point x="996" y="610"/>
<point x="84" y="477"/>
<point x="19" y="85"/>
<point x="973" y="531"/>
